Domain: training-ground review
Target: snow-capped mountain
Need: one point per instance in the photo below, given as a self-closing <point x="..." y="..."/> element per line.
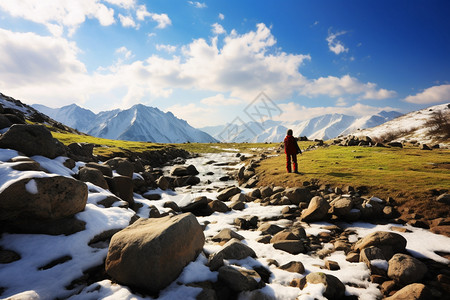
<point x="323" y="127"/>
<point x="412" y="126"/>
<point x="138" y="123"/>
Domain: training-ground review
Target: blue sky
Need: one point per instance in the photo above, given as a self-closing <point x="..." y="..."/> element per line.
<point x="207" y="61"/>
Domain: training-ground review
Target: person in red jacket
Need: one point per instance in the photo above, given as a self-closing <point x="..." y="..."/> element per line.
<point x="291" y="149"/>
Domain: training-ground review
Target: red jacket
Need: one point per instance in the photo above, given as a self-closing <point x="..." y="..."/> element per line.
<point x="290" y="145"/>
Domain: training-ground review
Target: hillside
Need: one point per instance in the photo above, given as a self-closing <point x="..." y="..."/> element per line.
<point x="416" y="127"/>
<point x="138" y="123"/>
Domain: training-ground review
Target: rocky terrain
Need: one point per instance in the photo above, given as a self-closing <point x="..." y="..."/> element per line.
<point x="121" y="228"/>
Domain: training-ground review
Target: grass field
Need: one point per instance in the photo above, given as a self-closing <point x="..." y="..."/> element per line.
<point x="408" y="175"/>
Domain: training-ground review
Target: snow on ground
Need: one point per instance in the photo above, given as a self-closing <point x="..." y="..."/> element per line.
<point x="26" y="275"/>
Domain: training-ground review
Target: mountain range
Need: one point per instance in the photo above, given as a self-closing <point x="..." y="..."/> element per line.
<point x="138" y="123"/>
<point x="323" y="127"/>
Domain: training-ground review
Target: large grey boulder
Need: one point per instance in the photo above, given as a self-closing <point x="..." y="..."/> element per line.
<point x="415" y="291"/>
<point x="334" y="288"/>
<point x="226" y="194"/>
<point x="240" y="279"/>
<point x="45" y="198"/>
<point x="32" y="140"/>
<point x="297" y="195"/>
<point x="317" y="210"/>
<point x="406" y="269"/>
<point x="151" y="253"/>
<point x="389" y="242"/>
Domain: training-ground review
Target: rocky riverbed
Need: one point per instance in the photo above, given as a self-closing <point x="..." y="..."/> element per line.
<point x="192" y="232"/>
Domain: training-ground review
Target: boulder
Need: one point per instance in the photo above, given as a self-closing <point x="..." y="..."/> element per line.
<point x="240" y="279"/>
<point x="238" y="198"/>
<point x="94" y="176"/>
<point x="226" y="235"/>
<point x="294" y="267"/>
<point x="183" y="171"/>
<point x="238" y="205"/>
<point x="316" y="211"/>
<point x="122" y="187"/>
<point x="334" y="288"/>
<point x="389" y="242"/>
<point x="185" y="180"/>
<point x="104" y="168"/>
<point x="415" y="291"/>
<point x="297" y="195"/>
<point x="290" y="246"/>
<point x="81" y="151"/>
<point x="444" y="198"/>
<point x="233" y="249"/>
<point x="226" y="194"/>
<point x="424" y="147"/>
<point x="267" y="228"/>
<point x="219" y="206"/>
<point x="4" y="121"/>
<point x="198" y="206"/>
<point x="32" y="140"/>
<point x="341" y="207"/>
<point x="266" y="192"/>
<point x="369" y="256"/>
<point x="121" y="165"/>
<point x="405" y="269"/>
<point x="163" y="183"/>
<point x="43" y="198"/>
<point x="151" y="253"/>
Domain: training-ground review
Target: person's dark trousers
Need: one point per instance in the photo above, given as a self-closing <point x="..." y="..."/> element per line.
<point x="293" y="158"/>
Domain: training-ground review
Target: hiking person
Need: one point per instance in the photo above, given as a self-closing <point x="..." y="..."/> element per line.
<point x="291" y="149"/>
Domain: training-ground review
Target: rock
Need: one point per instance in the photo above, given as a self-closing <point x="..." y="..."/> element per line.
<point x="43" y="198"/>
<point x="246" y="222"/>
<point x="4" y="121"/>
<point x="185" y="180"/>
<point x="267" y="228"/>
<point x="444" y="198"/>
<point x="240" y="279"/>
<point x="198" y="206"/>
<point x="8" y="256"/>
<point x="334" y="288"/>
<point x="154" y="248"/>
<point x="163" y="183"/>
<point x="233" y="249"/>
<point x="66" y="226"/>
<point x="332" y="265"/>
<point x="238" y="198"/>
<point x="316" y="211"/>
<point x="294" y="267"/>
<point x="121" y="165"/>
<point x="424" y="147"/>
<point x="27" y="166"/>
<point x="152" y="196"/>
<point x="219" y="206"/>
<point x="370" y="254"/>
<point x="226" y="235"/>
<point x="81" y="151"/>
<point x="395" y="144"/>
<point x="415" y="291"/>
<point x="104" y="168"/>
<point x="352" y="257"/>
<point x="172" y="205"/>
<point x="295" y="234"/>
<point x="266" y="192"/>
<point x="94" y="176"/>
<point x="237" y="205"/>
<point x="109" y="201"/>
<point x="265" y="239"/>
<point x="297" y="195"/>
<point x="341" y="207"/>
<point x="406" y="269"/>
<point x="256" y="193"/>
<point x="122" y="187"/>
<point x="183" y="171"/>
<point x="389" y="242"/>
<point x="290" y="246"/>
<point x="32" y="140"/>
<point x="228" y="193"/>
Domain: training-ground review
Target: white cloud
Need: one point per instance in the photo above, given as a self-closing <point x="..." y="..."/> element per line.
<point x="142" y="13"/>
<point x="434" y="94"/>
<point x="198" y="4"/>
<point x="51" y="13"/>
<point x="163" y="20"/>
<point x="167" y="48"/>
<point x="218" y="29"/>
<point x="221" y="100"/>
<point x="127" y="4"/>
<point x="336" y="87"/>
<point x="341" y="102"/>
<point x="336" y="46"/>
<point x="127" y="54"/>
<point x="127" y="21"/>
<point x="197" y="116"/>
<point x="221" y="16"/>
<point x="293" y="112"/>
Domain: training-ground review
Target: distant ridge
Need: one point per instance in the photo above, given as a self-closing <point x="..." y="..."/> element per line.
<point x="138" y="123"/>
